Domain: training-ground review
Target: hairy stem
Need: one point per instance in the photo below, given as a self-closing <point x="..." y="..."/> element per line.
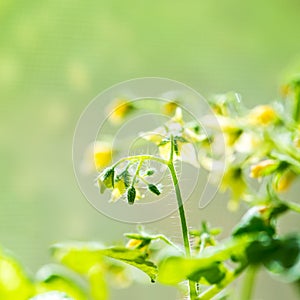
<point x="184" y="228"/>
<point x="141" y="158"/>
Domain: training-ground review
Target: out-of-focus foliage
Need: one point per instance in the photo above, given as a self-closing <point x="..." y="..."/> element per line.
<point x="57" y="55"/>
<point x="52" y="296"/>
<point x="14" y="282"/>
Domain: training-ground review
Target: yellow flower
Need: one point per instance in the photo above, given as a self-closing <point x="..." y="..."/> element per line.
<point x="234" y="180"/>
<point x="178" y="118"/>
<point x="102" y="154"/>
<point x="155" y="137"/>
<point x="165" y="151"/>
<point x="118" y="190"/>
<point x="97" y="156"/>
<point x="262" y="115"/>
<point x="133" y="243"/>
<point x="283" y="181"/>
<point x="248" y="142"/>
<point x="169" y="108"/>
<point x="264" y="168"/>
<point x="297" y="142"/>
<point x="119" y="110"/>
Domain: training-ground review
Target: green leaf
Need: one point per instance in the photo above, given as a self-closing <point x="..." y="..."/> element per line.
<point x="153" y="188"/>
<point x="98" y="285"/>
<point x="133" y="257"/>
<point x="55" y="295"/>
<point x="285" y="257"/>
<point x="131" y="194"/>
<point x="253" y="222"/>
<point x="78" y="256"/>
<point x="260" y="250"/>
<point x="14" y="282"/>
<point x="81" y="257"/>
<point x="58" y="278"/>
<point x="151" y="237"/>
<point x="176" y="269"/>
<point x="213" y="274"/>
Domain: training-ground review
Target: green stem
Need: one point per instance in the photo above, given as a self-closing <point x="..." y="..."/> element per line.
<point x="247" y="289"/>
<point x="293" y="206"/>
<point x="181" y="210"/>
<point x="185" y="235"/>
<point x="297" y="102"/>
<point x="141" y="158"/>
<point x="137" y="171"/>
<point x="184" y="228"/>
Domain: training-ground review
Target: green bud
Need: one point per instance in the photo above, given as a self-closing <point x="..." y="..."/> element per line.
<point x="131" y="193"/>
<point x="150" y="172"/>
<point x="153" y="188"/>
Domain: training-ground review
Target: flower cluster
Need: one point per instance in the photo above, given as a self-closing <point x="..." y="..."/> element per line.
<point x="127" y="180"/>
<point x="131" y="176"/>
<point x="261" y="143"/>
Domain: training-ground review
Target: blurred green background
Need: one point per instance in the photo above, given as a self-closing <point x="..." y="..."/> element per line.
<point x="55" y="56"/>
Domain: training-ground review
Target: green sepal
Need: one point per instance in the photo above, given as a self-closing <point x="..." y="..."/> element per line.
<point x="109" y="177"/>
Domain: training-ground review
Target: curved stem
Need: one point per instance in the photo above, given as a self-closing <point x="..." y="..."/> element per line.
<point x="140" y="158"/>
<point x="137" y="171"/>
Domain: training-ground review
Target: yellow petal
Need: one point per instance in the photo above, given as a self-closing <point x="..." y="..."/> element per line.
<point x="247" y="142"/>
<point x="97" y="156"/>
<point x="169" y="108"/>
<point x="165" y="151"/>
<point x="282" y="183"/>
<point x="119" y="110"/>
<point x="262" y="115"/>
<point x="263" y="168"/>
<point x="118" y="190"/>
<point x="178" y="116"/>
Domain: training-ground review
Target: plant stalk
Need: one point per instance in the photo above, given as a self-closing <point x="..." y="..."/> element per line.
<point x="247" y="289"/>
<point x="184" y="228"/>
